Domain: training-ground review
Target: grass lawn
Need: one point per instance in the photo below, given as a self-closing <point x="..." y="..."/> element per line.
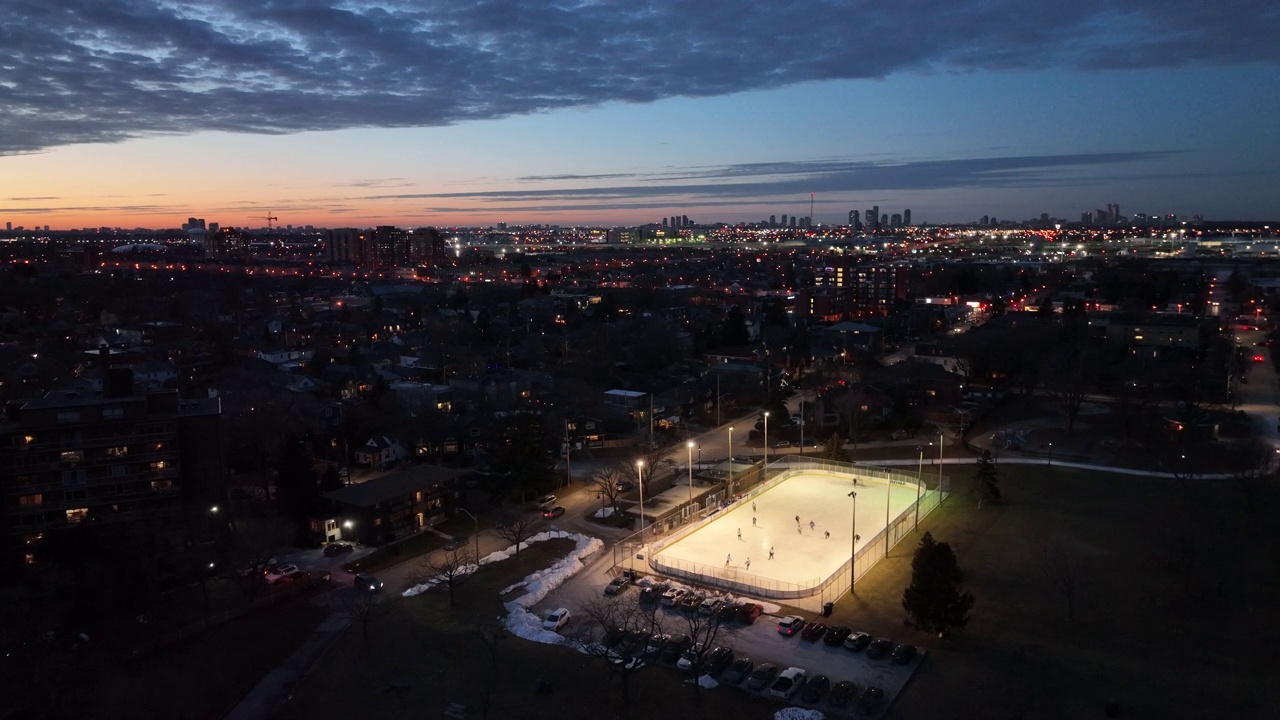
<point x="1177" y="585"/>
<point x="206" y="676"/>
<point x="423" y="655"/>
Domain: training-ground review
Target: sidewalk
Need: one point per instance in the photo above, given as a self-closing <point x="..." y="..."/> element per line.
<point x="277" y="687"/>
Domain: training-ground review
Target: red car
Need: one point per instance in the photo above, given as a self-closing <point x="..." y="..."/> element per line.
<point x="813" y="631"/>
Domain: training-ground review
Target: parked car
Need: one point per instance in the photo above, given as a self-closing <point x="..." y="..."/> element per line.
<point x="690" y="602"/>
<point x="657" y="642"/>
<point x="553" y="513"/>
<point x="835" y="635"/>
<point x="675" y="648"/>
<point x="673" y="596"/>
<point x="653" y="593"/>
<point x="546" y="501"/>
<point x="869" y="699"/>
<point x="728" y="611"/>
<point x="857" y="641"/>
<point x="748" y="612"/>
<point x="710" y="605"/>
<point x="790" y="625"/>
<point x="788" y="683"/>
<point x="617" y="585"/>
<point x="814" y="688"/>
<point x="899" y="435"/>
<point x="717" y="660"/>
<point x="903" y="654"/>
<point x="368" y="583"/>
<point x="282" y="572"/>
<point x="813" y="631"/>
<point x="689" y="658"/>
<point x="457" y="542"/>
<point x="739" y="670"/>
<point x="841" y="693"/>
<point x="556" y="619"/>
<point x="762" y="677"/>
<point x="879" y="648"/>
<point x="782" y="444"/>
<point x="612" y="636"/>
<point x="337" y="548"/>
<point x="625" y="485"/>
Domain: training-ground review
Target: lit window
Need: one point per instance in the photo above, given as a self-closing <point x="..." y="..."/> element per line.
<point x="157" y="485"/>
<point x="118" y="451"/>
<point x="159" y="465"/>
<point x="72" y="456"/>
<point x="31" y="500"/>
<point x="77" y="515"/>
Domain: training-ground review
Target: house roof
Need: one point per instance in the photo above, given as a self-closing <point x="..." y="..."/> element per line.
<point x="394" y="485"/>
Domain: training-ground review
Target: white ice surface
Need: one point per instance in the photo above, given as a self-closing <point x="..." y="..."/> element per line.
<point x="800" y="556"/>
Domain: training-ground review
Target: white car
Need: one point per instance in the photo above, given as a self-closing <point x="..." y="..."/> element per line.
<point x="787" y="684"/>
<point x="546" y="502"/>
<point x="284" y="571"/>
<point x="555" y="619"/>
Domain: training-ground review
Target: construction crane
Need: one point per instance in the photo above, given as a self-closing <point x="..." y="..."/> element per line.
<point x="270" y="217"/>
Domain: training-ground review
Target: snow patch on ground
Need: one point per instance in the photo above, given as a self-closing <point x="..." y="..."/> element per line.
<point x="604" y="512"/>
<point x="707" y="681"/>
<point x="582" y="542"/>
<point x="795" y="713"/>
<point x="538" y="585"/>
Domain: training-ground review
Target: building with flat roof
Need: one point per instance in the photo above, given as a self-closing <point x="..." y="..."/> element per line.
<point x="398" y="504"/>
<point x="118" y="461"/>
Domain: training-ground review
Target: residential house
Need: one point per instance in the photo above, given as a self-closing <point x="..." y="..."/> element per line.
<point x="380" y="451"/>
<point x="396" y="505"/>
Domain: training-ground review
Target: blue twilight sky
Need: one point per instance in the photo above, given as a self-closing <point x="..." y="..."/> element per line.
<point x="356" y="112"/>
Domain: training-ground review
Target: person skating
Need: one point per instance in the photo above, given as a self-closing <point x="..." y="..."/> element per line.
<point x="770" y="552"/>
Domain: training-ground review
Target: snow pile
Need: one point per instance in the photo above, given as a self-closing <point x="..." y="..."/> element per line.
<point x="604" y="512"/>
<point x="795" y="713"/>
<point x="513" y="587"/>
<point x="578" y="552"/>
<point x="707" y="681"/>
<point x="522" y="623"/>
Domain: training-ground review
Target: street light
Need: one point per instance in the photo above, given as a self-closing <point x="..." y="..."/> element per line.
<point x="766" y="440"/>
<point x="475" y="531"/>
<point x="689" y="445"/>
<point x="941" y="447"/>
<point x="919" y="484"/>
<point x="853" y="542"/>
<point x="640" y="482"/>
<point x="730" y="493"/>
<point x="1050" y="454"/>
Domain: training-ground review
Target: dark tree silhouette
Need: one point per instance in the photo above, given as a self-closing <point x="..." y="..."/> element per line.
<point x="934" y="601"/>
<point x="734" y="332"/>
<point x="833" y="449"/>
<point x="985" y="479"/>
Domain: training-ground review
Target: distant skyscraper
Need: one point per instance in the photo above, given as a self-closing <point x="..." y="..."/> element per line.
<point x="884" y="221"/>
<point x="793" y="221"/>
<point x="784" y="219"/>
<point x="853" y="218"/>
<point x="896" y="220"/>
<point x="906" y="217"/>
<point x="684" y="221"/>
<point x="664" y="222"/>
<point x="8" y="226"/>
<point x="873" y="217"/>
<point x="773" y="221"/>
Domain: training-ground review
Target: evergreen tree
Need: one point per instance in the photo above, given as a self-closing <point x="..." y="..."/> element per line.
<point x="934" y="600"/>
<point x="834" y="449"/>
<point x="734" y="332"/>
<point x="986" y="480"/>
<point x="523" y="457"/>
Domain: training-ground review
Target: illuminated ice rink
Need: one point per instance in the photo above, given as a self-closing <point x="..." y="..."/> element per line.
<point x="801" y="554"/>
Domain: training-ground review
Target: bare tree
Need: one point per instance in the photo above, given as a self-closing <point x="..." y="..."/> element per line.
<point x="629" y="624"/>
<point x="450" y="568"/>
<point x="364" y="608"/>
<point x="1061" y="569"/>
<point x="515" y="528"/>
<point x="253" y="535"/>
<point x="606" y="482"/>
<point x="490" y="634"/>
<point x="708" y="632"/>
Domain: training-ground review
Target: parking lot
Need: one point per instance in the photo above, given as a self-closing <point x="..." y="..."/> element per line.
<point x="762" y="643"/>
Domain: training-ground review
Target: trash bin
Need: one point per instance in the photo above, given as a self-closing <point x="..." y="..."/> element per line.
<point x="826" y="609"/>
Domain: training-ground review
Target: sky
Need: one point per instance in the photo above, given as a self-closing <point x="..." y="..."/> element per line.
<point x="140" y="113"/>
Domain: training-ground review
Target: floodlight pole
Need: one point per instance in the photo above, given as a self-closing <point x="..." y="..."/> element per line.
<point x="888" y="491"/>
<point x="853" y="543"/>
<point x="766" y="440"/>
<point x="730" y="488"/>
<point x="689" y="445"/>
<point x="919" y="485"/>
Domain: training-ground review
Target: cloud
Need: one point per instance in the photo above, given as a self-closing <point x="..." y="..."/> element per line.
<point x="759" y="181"/>
<point x="79" y="71"/>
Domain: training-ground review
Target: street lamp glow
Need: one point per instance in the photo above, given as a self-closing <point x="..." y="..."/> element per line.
<point x="214" y="509"/>
<point x="640" y="482"/>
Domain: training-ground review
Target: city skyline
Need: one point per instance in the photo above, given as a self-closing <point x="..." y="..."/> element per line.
<point x="141" y="114"/>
